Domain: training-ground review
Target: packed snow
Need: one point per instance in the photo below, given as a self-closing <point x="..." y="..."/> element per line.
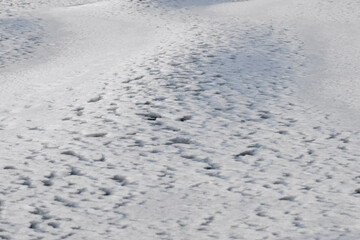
<point x="193" y="119"/>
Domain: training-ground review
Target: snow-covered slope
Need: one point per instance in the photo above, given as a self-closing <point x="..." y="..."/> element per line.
<point x="146" y="120"/>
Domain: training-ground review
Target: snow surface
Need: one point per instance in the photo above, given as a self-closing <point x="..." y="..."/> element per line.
<point x="187" y="119"/>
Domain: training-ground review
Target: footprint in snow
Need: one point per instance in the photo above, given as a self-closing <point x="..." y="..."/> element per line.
<point x="287" y="198"/>
<point x="179" y="140"/>
<point x="96" y="135"/>
<point x="95" y="99"/>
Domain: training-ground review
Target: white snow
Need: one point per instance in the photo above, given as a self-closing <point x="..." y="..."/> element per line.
<point x="178" y="119"/>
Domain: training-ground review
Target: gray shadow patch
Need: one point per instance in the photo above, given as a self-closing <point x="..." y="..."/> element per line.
<point x="19" y="38"/>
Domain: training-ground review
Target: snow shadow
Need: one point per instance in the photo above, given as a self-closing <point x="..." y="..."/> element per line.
<point x="18" y="39"/>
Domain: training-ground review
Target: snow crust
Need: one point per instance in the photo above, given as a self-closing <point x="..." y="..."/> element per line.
<point x="179" y="119"/>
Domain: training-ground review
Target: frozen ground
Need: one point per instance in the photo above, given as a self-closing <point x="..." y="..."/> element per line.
<point x="179" y="120"/>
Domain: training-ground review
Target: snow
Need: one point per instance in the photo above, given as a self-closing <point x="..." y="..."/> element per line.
<point x="179" y="119"/>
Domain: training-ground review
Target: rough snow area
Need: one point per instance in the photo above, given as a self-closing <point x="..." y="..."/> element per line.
<point x="179" y="119"/>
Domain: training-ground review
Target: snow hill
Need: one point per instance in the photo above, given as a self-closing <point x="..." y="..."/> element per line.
<point x="178" y="119"/>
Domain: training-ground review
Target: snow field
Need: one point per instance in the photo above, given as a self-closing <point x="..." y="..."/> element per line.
<point x="196" y="132"/>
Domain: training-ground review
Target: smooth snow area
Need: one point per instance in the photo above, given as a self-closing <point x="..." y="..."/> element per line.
<point x="179" y="119"/>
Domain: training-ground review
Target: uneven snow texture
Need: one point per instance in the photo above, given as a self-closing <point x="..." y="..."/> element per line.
<point x="11" y="8"/>
<point x="177" y="123"/>
<point x="18" y="37"/>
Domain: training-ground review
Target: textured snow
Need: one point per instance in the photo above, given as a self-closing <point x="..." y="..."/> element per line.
<point x="187" y="119"/>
